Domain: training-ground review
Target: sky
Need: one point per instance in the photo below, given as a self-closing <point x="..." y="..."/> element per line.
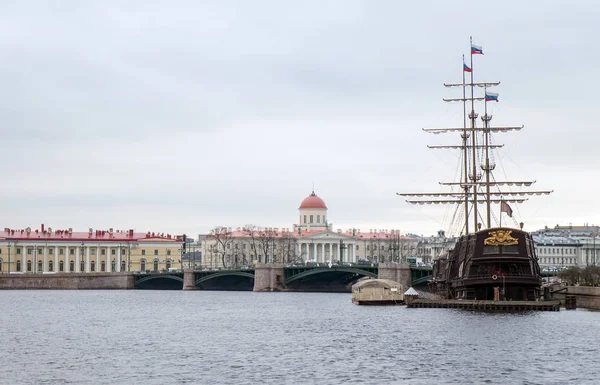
<point x="179" y="116"/>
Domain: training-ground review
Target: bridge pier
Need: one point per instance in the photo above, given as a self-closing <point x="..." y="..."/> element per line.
<point x="189" y="279"/>
<point x="269" y="277"/>
<point x="396" y="272"/>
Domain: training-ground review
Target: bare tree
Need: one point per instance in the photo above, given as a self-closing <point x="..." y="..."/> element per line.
<point x="223" y="239"/>
<point x="266" y="240"/>
<point x="252" y="231"/>
<point x="287" y="247"/>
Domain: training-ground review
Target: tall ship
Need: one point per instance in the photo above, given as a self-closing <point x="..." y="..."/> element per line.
<point x="489" y="261"/>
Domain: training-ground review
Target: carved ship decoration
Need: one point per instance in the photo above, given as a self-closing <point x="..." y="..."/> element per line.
<point x="489" y="261"/>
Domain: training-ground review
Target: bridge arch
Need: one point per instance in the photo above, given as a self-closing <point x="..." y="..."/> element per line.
<point x="158" y="276"/>
<point x="224" y="274"/>
<point x="322" y="270"/>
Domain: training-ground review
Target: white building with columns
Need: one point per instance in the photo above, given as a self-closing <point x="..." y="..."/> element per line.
<point x="312" y="239"/>
<point x="46" y="250"/>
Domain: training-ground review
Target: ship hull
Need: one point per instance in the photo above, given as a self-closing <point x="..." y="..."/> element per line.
<point x="493" y="264"/>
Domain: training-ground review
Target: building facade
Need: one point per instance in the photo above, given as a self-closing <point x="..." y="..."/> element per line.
<point x="312" y="239"/>
<point x="567" y="246"/>
<point x="46" y="250"/>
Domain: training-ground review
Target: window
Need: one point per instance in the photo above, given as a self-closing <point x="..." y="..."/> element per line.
<point x="29" y="265"/>
<point x="18" y="265"/>
<point x="103" y="266"/>
<point x="156" y="265"/>
<point x="143" y="252"/>
<point x="93" y="266"/>
<point x="0" y="265"/>
<point x="318" y="219"/>
<point x="305" y="219"/>
<point x="40" y="266"/>
<point x="102" y="252"/>
<point x="40" y="251"/>
<point x="243" y="246"/>
<point x="113" y="265"/>
<point x="82" y="266"/>
<point x="122" y="265"/>
<point x="50" y="265"/>
<point x="29" y="251"/>
<point x="72" y="251"/>
<point x="356" y="247"/>
<point x="168" y="264"/>
<point x="123" y="251"/>
<point x="113" y="252"/>
<point x="155" y="252"/>
<point x="143" y="264"/>
<point x="311" y="219"/>
<point x="50" y="251"/>
<point x="18" y="251"/>
<point x="93" y="251"/>
<point x="71" y="266"/>
<point x="61" y="266"/>
<point x="61" y="252"/>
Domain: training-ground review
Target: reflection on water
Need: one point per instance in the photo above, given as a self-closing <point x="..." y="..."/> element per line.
<point x="160" y="337"/>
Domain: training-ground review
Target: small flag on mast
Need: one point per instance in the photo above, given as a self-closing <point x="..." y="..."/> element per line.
<point x="504" y="207"/>
<point x="491" y="96"/>
<point x="466" y="68"/>
<point x="476" y="50"/>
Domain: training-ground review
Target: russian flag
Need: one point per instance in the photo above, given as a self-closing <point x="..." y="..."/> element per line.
<point x="476" y="50"/>
<point x="491" y="96"/>
<point x="466" y="68"/>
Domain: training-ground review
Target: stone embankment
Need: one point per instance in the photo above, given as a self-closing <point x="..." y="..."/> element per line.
<point x="587" y="297"/>
<point x="67" y="281"/>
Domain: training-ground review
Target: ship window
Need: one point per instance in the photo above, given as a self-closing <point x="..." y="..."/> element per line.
<point x="491" y="250"/>
<point x="512" y="249"/>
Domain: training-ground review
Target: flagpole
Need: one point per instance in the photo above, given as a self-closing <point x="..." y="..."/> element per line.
<point x="501" y="200"/>
<point x="473" y="142"/>
<point x="465" y="153"/>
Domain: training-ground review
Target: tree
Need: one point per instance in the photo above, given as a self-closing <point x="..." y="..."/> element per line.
<point x="287" y="247"/>
<point x="266" y="241"/>
<point x="571" y="275"/>
<point x="223" y="238"/>
<point x="590" y="275"/>
<point x="253" y="244"/>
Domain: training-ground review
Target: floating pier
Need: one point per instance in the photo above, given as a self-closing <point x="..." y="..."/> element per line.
<point x="485" y="305"/>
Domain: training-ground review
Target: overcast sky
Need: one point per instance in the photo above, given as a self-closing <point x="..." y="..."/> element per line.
<point x="178" y="116"/>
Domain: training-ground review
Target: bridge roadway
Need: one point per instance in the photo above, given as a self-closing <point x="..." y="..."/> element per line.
<point x="277" y="277"/>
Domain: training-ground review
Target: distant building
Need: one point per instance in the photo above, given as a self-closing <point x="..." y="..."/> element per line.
<point x="311" y="239"/>
<point x="567" y="245"/>
<point x="46" y="250"/>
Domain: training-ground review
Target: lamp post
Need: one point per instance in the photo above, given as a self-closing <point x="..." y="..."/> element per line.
<point x="342" y="247"/>
<point x="9" y="245"/>
<point x="34" y="259"/>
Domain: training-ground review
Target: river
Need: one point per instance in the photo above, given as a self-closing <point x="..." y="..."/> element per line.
<point x="204" y="337"/>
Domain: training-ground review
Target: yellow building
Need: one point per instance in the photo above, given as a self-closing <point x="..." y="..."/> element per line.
<point x="55" y="251"/>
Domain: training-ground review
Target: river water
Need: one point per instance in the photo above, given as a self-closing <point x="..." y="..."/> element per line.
<point x="203" y="337"/>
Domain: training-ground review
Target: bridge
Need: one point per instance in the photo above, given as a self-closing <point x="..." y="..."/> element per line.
<point x="276" y="277"/>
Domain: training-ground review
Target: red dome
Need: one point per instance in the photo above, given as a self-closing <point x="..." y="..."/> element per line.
<point x="313" y="202"/>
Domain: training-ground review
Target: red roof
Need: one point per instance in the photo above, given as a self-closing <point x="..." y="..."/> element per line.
<point x="313" y="202"/>
<point x="92" y="235"/>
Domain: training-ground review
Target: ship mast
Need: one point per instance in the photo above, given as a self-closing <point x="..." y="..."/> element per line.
<point x="465" y="136"/>
<point x="473" y="117"/>
<point x="470" y="182"/>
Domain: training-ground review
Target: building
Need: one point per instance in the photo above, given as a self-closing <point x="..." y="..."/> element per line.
<point x="311" y="239"/>
<point x="567" y="246"/>
<point x="46" y="250"/>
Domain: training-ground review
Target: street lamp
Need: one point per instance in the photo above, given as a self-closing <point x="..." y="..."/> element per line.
<point x="342" y="247"/>
<point x="9" y="245"/>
